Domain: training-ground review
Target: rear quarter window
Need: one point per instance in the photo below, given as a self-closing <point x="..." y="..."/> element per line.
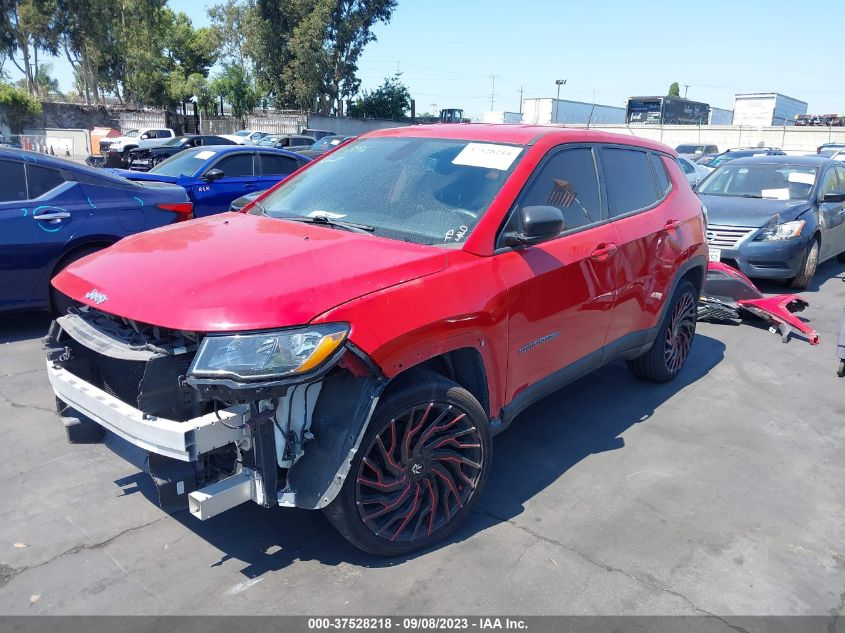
<point x="13" y="182"/>
<point x="629" y="180"/>
<point x="42" y="179"/>
<point x="663" y="182"/>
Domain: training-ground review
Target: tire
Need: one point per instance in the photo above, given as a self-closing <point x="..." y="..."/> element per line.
<point x="840" y="371"/>
<point x="808" y="267"/>
<point x="402" y="494"/>
<point x="60" y="303"/>
<point x="668" y="354"/>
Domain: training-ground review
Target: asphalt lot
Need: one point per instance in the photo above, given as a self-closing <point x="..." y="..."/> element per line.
<point x="719" y="493"/>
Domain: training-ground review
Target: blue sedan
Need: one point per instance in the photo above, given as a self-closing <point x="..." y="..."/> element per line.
<point x="215" y="175"/>
<point x="53" y="212"/>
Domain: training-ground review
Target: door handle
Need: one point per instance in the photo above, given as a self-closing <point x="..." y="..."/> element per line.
<point x="55" y="216"/>
<point x="671" y="225"/>
<point x="603" y="251"/>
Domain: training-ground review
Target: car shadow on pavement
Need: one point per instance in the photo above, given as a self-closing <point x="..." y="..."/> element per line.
<point x="831" y="269"/>
<point x="541" y="445"/>
<point x="23" y="326"/>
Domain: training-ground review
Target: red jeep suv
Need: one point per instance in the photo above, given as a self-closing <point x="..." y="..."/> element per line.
<point x="353" y="340"/>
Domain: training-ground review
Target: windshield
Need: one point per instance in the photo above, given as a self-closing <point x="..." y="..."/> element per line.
<point x="131" y="133"/>
<point x="327" y="142"/>
<point x="761" y="180"/>
<point x="175" y="141"/>
<point x="724" y="158"/>
<point x="185" y="163"/>
<point x="243" y="133"/>
<point x="422" y="190"/>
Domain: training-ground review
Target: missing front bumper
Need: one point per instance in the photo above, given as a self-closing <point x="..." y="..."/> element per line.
<point x="184" y="441"/>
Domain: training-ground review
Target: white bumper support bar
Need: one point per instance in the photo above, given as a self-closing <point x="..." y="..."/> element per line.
<point x="180" y="440"/>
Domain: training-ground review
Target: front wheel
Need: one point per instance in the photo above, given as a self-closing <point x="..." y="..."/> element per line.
<point x="667" y="355"/>
<point x="420" y="468"/>
<point x="808" y="268"/>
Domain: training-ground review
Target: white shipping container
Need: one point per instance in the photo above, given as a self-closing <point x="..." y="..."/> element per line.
<point x="501" y="116"/>
<point x="766" y="109"/>
<point x="549" y="111"/>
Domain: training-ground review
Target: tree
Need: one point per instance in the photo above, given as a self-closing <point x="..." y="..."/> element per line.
<point x="674" y="90"/>
<point x="389" y="101"/>
<point x="27" y="27"/>
<point x="43" y="84"/>
<point x="237" y="87"/>
<point x="235" y="23"/>
<point x="16" y="106"/>
<point x="349" y="30"/>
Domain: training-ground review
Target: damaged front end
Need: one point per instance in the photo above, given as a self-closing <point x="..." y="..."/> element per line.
<point x="272" y="417"/>
<point x="727" y="294"/>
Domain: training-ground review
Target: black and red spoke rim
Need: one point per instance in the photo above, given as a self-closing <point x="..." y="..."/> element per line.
<point x="680" y="333"/>
<point x="419" y="472"/>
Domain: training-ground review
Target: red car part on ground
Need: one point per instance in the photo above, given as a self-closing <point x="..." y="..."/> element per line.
<point x="727" y="292"/>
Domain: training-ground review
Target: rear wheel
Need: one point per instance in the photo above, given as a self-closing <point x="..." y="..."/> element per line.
<point x="421" y="465"/>
<point x="667" y="355"/>
<point x="59" y="302"/>
<point x="808" y="267"/>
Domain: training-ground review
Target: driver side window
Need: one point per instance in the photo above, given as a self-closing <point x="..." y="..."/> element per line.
<point x="569" y="181"/>
<point x="235" y="165"/>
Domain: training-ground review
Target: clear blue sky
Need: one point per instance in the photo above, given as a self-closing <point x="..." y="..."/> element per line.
<point x="447" y="50"/>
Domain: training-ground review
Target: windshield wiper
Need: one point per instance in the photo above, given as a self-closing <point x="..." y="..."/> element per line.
<point x="324" y="221"/>
<point x="750" y="195"/>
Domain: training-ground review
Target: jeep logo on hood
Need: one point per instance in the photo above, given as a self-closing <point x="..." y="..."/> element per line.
<point x="96" y="296"/>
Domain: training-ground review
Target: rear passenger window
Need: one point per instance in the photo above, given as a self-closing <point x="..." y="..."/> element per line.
<point x="42" y="179"/>
<point x="663" y="183"/>
<point x="236" y="165"/>
<point x="272" y="165"/>
<point x="629" y="180"/>
<point x="569" y="182"/>
<point x="12" y="183"/>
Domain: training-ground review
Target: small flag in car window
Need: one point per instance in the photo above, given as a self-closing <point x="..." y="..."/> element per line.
<point x="563" y="194"/>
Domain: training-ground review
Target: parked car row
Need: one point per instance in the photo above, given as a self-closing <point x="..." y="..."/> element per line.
<point x="53" y="211"/>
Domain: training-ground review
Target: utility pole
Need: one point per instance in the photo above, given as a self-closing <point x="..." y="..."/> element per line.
<point x="493" y="92"/>
<point x="558" y="83"/>
<point x="686" y="87"/>
<point x="520" y="99"/>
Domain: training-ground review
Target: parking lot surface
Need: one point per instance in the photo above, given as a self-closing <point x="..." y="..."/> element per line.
<point x="721" y="493"/>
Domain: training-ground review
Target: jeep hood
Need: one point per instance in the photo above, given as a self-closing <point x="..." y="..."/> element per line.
<point x="234" y="272"/>
<point x="756" y="212"/>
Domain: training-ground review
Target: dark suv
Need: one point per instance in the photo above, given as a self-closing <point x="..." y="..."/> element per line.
<point x="353" y="340"/>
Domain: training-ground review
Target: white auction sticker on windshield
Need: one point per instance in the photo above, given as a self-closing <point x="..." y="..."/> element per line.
<point x="205" y="154"/>
<point x="777" y="194"/>
<point x="797" y="176"/>
<point x="326" y="214"/>
<point x="487" y="155"/>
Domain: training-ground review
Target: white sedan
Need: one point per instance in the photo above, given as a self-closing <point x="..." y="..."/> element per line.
<point x="694" y="172"/>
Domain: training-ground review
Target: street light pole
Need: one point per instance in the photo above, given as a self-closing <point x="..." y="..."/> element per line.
<point x="558" y="83"/>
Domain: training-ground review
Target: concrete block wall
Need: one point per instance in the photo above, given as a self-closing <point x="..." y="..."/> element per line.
<point x="789" y="138"/>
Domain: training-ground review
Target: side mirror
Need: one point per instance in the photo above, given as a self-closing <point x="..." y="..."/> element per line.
<point x="212" y="174"/>
<point x="834" y="197"/>
<point x="144" y="136"/>
<point x="537" y="224"/>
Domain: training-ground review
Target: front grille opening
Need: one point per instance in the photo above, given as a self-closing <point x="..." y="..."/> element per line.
<point x="121" y="378"/>
<point x="156" y="387"/>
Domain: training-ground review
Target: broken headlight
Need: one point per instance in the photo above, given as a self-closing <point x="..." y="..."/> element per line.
<point x="776" y="230"/>
<point x="266" y="355"/>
